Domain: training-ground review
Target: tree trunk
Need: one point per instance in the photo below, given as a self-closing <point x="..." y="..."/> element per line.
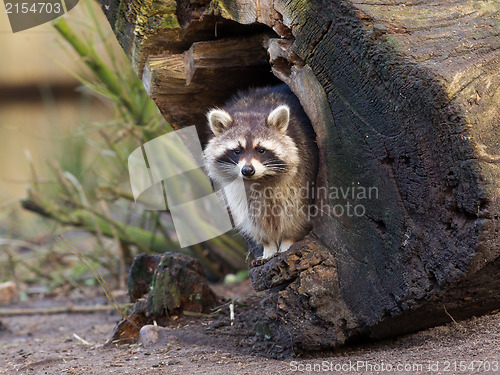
<point x="404" y="98"/>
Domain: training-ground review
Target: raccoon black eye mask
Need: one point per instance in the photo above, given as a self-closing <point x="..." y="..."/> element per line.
<point x="264" y="137"/>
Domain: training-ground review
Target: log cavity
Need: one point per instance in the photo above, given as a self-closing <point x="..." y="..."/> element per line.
<point x="209" y="63"/>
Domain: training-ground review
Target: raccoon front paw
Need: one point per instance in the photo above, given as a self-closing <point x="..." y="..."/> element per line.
<point x="269" y="251"/>
<point x="285" y="245"/>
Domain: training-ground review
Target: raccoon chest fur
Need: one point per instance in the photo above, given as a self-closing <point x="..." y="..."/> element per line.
<point x="264" y="137"/>
<point x="270" y="214"/>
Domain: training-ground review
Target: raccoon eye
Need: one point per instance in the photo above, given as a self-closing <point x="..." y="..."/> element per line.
<point x="261" y="150"/>
<point x="237" y="151"/>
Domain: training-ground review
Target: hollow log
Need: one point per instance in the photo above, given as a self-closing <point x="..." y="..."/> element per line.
<point x="404" y="97"/>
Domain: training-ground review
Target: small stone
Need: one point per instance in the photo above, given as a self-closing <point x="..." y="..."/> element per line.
<point x="153" y="336"/>
<point x="149" y="335"/>
<point x="8" y="292"/>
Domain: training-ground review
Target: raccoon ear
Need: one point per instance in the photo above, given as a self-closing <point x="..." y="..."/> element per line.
<point x="279" y="118"/>
<point x="219" y="120"/>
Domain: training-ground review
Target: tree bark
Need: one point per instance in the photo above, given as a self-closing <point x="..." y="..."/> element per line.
<point x="404" y="97"/>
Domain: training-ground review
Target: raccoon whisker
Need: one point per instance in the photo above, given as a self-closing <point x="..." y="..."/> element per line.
<point x="278" y="169"/>
<point x="226" y="163"/>
<point x="226" y="168"/>
<point x="283" y="167"/>
<point x="273" y="162"/>
<point x="275" y="165"/>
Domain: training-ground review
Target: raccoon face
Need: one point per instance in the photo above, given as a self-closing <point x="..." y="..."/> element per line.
<point x="250" y="147"/>
<point x="251" y="160"/>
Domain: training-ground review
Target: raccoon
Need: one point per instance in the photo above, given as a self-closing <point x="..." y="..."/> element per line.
<point x="264" y="136"/>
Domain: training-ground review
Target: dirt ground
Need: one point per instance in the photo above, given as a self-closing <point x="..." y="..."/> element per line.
<point x="72" y="343"/>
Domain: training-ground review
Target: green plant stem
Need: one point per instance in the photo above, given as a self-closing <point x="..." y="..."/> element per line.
<point x="83" y="219"/>
<point x="95" y="64"/>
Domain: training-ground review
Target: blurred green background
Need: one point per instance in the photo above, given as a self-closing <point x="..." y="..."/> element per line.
<point x="71" y="111"/>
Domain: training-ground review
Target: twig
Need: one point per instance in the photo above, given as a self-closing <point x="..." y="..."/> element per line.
<point x="9" y="202"/>
<point x="111" y="298"/>
<point x="200" y="315"/>
<point x="231" y="312"/>
<point x="81" y="218"/>
<point x="83" y="341"/>
<point x="447" y="313"/>
<point x="17" y="243"/>
<point x="29" y="159"/>
<point x="123" y="256"/>
<point x="58" y="310"/>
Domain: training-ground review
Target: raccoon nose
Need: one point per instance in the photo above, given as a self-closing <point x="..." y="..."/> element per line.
<point x="247" y="171"/>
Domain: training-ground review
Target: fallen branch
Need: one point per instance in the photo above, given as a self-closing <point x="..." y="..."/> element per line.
<point x="68" y="309"/>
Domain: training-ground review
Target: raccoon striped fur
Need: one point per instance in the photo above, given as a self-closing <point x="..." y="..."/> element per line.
<point x="264" y="136"/>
